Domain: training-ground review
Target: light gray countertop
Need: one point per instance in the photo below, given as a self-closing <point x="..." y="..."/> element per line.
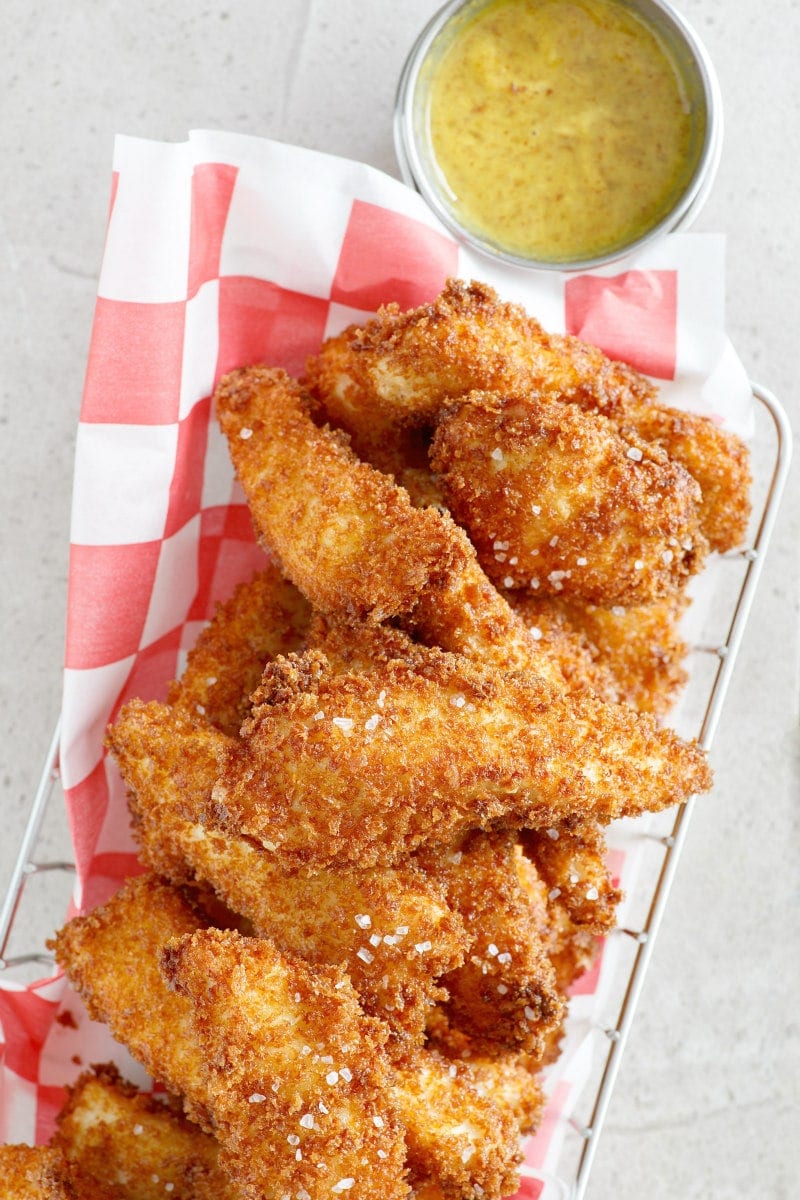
<point x="707" y="1101"/>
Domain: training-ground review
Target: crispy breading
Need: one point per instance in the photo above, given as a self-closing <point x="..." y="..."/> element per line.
<point x="263" y="618"/>
<point x="571" y="948"/>
<point x="508" y="1077"/>
<point x="40" y="1173"/>
<point x="320" y="511"/>
<point x="488" y="750"/>
<point x="504" y="994"/>
<point x="136" y="1147"/>
<point x="296" y="1076"/>
<point x="398" y="371"/>
<point x="111" y="956"/>
<point x="636" y="652"/>
<point x="554" y="499"/>
<point x="369" y="921"/>
<point x="457" y="1138"/>
<point x="570" y="860"/>
<point x="465" y="614"/>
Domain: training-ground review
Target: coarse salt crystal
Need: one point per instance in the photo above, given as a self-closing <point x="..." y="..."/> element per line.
<point x="534" y="582"/>
<point x="346" y="1074"/>
<point x="363" y="920"/>
<point x="372" y="722"/>
<point x="618" y="610"/>
<point x="667" y="557"/>
<point x="381" y="699"/>
<point x="307" y="1121"/>
<point x="364" y="954"/>
<point x="530" y="1015"/>
<point x="467" y="1153"/>
<point x="504" y="958"/>
<point x="377" y="1122"/>
<point x="422" y="947"/>
<point x="554" y="893"/>
<point x="536" y="509"/>
<point x="137" y="1129"/>
<point x="401" y="930"/>
<point x="382" y="1154"/>
<point x="592" y="893"/>
<point x="343" y="1185"/>
<point x="635" y="453"/>
<point x="245" y="433"/>
<point x="574" y="878"/>
<point x="497" y="454"/>
<point x="375" y="939"/>
<point x="508" y="582"/>
<point x="535" y="633"/>
<point x="492" y="950"/>
<point x="502" y="989"/>
<point x="343" y="723"/>
<point x="581" y="562"/>
<point x="500" y="545"/>
<point x="552" y="833"/>
<point x="293" y="1139"/>
<point x="331" y="1078"/>
<point x="322" y="1108"/>
<point x="554" y="540"/>
<point x="319" y="716"/>
<point x="200" y="709"/>
<point x="256" y="1098"/>
<point x="168" y="1187"/>
<point x="390" y="940"/>
<point x="638" y="565"/>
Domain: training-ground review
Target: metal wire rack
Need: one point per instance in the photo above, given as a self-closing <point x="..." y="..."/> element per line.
<point x="615" y="1035"/>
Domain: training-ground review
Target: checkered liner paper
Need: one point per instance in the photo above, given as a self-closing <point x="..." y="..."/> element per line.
<point x="223" y="251"/>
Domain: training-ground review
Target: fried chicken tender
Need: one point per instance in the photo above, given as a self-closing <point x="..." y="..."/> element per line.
<point x="397" y="372"/>
<point x="632" y="654"/>
<point x="570" y="860"/>
<point x="504" y="995"/>
<point x="39" y="1173"/>
<point x="135" y="1147"/>
<point x="571" y="948"/>
<point x="297" y="1078"/>
<point x="458" y="1139"/>
<point x="369" y="921"/>
<point x="508" y="1077"/>
<point x="554" y="499"/>
<point x="321" y="512"/>
<point x="263" y="618"/>
<point x="111" y="956"/>
<point x="322" y="773"/>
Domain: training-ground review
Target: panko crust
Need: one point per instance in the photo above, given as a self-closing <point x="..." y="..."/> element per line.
<point x="258" y="1014"/>
<point x="554" y="499"/>
<point x="111" y="956"/>
<point x="489" y="749"/>
<point x="136" y="1146"/>
<point x="40" y="1173"/>
<point x="504" y="995"/>
<point x="637" y="654"/>
<point x="321" y="512"/>
<point x="368" y="920"/>
<point x="458" y="1139"/>
<point x="263" y="618"/>
<point x="399" y="370"/>
<point x="570" y="858"/>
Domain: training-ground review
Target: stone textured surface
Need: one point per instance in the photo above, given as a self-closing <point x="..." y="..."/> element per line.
<point x="707" y="1099"/>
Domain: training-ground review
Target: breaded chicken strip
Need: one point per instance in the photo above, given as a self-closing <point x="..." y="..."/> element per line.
<point x="40" y="1173"/>
<point x="638" y="652"/>
<point x="369" y="921"/>
<point x="320" y="511"/>
<point x="296" y="1075"/>
<point x="111" y="956"/>
<point x="507" y="1077"/>
<point x="135" y="1146"/>
<point x="396" y="373"/>
<point x="570" y="860"/>
<point x="571" y="948"/>
<point x="322" y="772"/>
<point x="458" y="1139"/>
<point x="263" y="618"/>
<point x="555" y="500"/>
<point x="505" y="994"/>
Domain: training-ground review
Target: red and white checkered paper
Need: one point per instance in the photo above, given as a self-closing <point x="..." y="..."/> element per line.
<point x="227" y="250"/>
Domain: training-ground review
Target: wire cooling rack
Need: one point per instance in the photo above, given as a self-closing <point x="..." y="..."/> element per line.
<point x="772" y="454"/>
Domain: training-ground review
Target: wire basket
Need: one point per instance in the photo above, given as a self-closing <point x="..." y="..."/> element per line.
<point x="28" y="916"/>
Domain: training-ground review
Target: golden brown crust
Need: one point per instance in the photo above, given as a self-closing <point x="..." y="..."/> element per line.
<point x="320" y="511"/>
<point x="504" y="994"/>
<point x="135" y="1147"/>
<point x="263" y="618"/>
<point x="370" y="921"/>
<point x="554" y="499"/>
<point x="329" y="1127"/>
<point x="111" y="956"/>
<point x="635" y="655"/>
<point x="400" y="369"/>
<point x="457" y="1137"/>
<point x="40" y="1173"/>
<point x="570" y="859"/>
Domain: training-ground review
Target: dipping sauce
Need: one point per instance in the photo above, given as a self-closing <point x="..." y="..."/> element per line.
<point x="561" y="130"/>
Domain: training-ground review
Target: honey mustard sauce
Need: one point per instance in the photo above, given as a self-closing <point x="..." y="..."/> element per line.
<point x="560" y="128"/>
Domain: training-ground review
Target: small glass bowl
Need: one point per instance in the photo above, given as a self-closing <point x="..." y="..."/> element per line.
<point x="417" y="161"/>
